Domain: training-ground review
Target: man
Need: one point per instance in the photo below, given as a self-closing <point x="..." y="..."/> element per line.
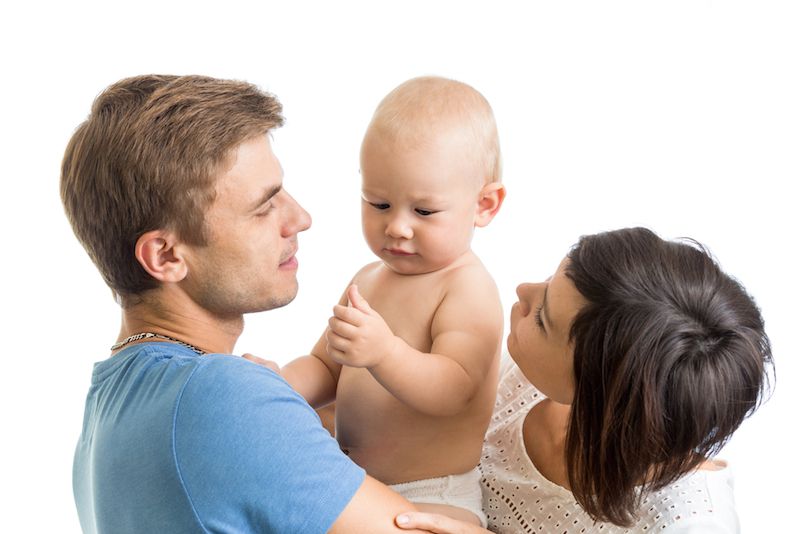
<point x="172" y="187"/>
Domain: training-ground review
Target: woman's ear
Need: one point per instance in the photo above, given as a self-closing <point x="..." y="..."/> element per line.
<point x="489" y="201"/>
<point x="159" y="253"/>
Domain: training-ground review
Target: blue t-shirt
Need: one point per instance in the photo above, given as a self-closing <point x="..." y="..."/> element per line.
<point x="176" y="442"/>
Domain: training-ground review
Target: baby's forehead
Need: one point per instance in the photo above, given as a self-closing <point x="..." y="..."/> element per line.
<point x="428" y="135"/>
<point x="429" y="102"/>
<point x="419" y="125"/>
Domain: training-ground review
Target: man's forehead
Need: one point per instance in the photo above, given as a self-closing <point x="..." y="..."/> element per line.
<point x="253" y="174"/>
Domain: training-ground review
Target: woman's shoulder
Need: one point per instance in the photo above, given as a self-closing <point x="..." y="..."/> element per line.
<point x="515" y="499"/>
<point x="515" y="394"/>
<point x="701" y="501"/>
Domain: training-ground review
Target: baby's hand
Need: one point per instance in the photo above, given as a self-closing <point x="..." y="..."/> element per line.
<point x="269" y="364"/>
<point x="358" y="335"/>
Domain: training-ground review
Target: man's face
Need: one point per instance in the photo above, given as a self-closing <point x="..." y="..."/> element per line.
<point x="248" y="264"/>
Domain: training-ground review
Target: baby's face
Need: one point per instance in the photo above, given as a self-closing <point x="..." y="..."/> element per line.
<point x="418" y="204"/>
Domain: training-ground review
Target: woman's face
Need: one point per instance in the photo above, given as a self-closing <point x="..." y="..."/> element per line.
<point x="539" y="339"/>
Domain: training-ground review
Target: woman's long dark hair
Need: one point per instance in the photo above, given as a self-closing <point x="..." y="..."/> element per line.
<point x="670" y="357"/>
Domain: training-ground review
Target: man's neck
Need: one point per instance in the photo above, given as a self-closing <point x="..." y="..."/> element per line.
<point x="174" y="314"/>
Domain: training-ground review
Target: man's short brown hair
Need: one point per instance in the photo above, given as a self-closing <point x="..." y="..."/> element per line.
<point x="147" y="157"/>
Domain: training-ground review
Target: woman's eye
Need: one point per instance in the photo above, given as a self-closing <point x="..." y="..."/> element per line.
<point x="538" y="317"/>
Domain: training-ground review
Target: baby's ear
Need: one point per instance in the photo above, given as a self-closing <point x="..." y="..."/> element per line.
<point x="489" y="201"/>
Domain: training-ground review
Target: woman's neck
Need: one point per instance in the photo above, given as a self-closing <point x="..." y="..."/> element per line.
<point x="544" y="432"/>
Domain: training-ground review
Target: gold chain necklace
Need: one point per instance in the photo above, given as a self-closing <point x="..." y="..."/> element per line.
<point x="148" y="335"/>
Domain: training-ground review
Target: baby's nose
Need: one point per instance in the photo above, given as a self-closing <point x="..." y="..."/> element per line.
<point x="399" y="228"/>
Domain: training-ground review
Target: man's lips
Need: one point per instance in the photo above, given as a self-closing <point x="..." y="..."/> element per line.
<point x="289" y="261"/>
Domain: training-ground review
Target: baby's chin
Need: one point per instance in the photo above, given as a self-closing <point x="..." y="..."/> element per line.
<point x="408" y="268"/>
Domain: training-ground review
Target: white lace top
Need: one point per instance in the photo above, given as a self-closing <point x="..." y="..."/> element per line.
<point x="518" y="499"/>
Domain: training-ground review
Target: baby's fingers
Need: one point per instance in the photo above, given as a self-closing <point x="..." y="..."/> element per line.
<point x="342" y="328"/>
<point x="348" y="314"/>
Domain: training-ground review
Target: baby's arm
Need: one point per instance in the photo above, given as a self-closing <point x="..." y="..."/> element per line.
<point x="466" y="332"/>
<point x="315" y="376"/>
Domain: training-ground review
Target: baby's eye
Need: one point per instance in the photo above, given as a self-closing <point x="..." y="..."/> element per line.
<point x="423" y="212"/>
<point x="379" y="205"/>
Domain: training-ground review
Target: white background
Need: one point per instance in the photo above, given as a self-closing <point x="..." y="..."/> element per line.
<point x="683" y="116"/>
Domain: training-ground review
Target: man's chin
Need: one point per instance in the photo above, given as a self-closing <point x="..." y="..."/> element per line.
<point x="278" y="301"/>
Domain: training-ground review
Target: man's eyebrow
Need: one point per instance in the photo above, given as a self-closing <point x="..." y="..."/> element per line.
<point x="268" y="194"/>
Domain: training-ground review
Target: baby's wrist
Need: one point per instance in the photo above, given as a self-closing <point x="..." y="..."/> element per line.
<point x="390" y="353"/>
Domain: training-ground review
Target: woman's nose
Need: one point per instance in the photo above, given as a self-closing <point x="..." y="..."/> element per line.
<point x="528" y="294"/>
<point x="523" y="293"/>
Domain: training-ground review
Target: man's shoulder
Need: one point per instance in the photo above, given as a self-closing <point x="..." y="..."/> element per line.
<point x="233" y="379"/>
<point x="243" y="436"/>
<point x="168" y="364"/>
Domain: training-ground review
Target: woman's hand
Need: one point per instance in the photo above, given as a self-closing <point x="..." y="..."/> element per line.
<point x="438" y="524"/>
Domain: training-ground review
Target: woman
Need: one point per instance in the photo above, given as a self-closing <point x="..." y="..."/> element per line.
<point x="644" y="359"/>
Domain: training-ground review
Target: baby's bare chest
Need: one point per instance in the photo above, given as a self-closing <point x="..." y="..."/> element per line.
<point x="408" y="306"/>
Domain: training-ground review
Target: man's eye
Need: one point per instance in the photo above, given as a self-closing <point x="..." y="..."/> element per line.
<point x="266" y="211"/>
<point x="424" y="213"/>
<point x="379" y="206"/>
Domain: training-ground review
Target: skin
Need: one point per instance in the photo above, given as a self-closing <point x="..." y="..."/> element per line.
<point x="252" y="228"/>
<point x="411" y="352"/>
<point x="539" y="340"/>
<point x="248" y="265"/>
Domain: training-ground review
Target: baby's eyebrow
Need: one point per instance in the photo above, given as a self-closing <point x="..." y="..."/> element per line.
<point x="425" y="199"/>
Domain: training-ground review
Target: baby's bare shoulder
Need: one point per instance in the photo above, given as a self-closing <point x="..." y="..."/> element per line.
<point x="367" y="273"/>
<point x="471" y="295"/>
<point x="471" y="278"/>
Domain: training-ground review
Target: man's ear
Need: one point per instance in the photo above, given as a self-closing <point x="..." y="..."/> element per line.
<point x="159" y="253"/>
<point x="489" y="201"/>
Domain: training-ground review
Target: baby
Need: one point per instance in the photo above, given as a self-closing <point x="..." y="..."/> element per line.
<point x="411" y="353"/>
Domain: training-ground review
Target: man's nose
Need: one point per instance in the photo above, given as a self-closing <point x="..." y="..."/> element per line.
<point x="298" y="220"/>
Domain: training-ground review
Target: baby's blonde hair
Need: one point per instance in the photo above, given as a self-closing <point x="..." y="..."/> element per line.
<point x="430" y="106"/>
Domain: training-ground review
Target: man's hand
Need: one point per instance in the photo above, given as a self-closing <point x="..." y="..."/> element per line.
<point x="269" y="364"/>
<point x="358" y="335"/>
